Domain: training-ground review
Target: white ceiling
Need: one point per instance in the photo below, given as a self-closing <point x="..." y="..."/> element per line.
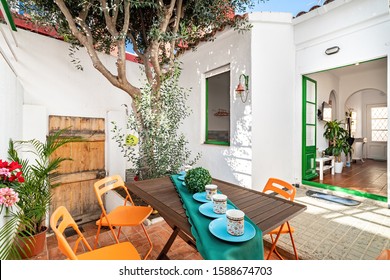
<point x="360" y="67"/>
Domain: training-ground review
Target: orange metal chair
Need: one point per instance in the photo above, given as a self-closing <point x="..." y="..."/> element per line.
<point x="385" y="255"/>
<point x="124" y="215"/>
<point x="287" y="191"/>
<point x="61" y="219"/>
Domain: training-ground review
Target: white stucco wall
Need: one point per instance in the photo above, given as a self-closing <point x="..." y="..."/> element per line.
<point x="230" y="163"/>
<point x="359" y="101"/>
<point x="261" y="128"/>
<point x="11" y="100"/>
<point x="374" y="79"/>
<point x="273" y="58"/>
<point x="53" y="86"/>
<point x="364" y="36"/>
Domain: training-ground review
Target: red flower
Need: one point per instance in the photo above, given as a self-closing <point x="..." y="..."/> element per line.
<point x="10" y="172"/>
<point x="20" y="177"/>
<point x="14" y="165"/>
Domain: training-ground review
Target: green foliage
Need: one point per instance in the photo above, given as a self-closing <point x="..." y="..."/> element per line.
<point x="35" y="193"/>
<point x="198" y="18"/>
<point x="196" y="179"/>
<point x="337" y="136"/>
<point x="162" y="149"/>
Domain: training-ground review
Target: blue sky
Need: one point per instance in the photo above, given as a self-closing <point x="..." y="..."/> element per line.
<point x="291" y="6"/>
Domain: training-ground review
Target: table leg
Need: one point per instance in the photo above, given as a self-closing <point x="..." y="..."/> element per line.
<point x="164" y="251"/>
<point x="321" y="170"/>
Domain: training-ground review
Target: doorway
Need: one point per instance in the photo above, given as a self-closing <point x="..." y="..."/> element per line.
<point x="87" y="166"/>
<point x="357" y="95"/>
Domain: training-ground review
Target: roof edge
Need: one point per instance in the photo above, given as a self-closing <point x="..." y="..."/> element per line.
<point x="23" y="23"/>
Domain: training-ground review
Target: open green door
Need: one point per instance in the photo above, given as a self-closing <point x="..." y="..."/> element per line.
<point x="309" y="128"/>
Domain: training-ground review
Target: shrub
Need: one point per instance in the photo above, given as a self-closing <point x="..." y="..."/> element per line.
<point x="196" y="179"/>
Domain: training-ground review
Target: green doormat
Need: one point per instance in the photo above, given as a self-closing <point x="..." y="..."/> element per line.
<point x="333" y="198"/>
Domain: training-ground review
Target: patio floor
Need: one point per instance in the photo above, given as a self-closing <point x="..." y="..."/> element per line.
<point x="159" y="232"/>
<point x="331" y="231"/>
<point x="325" y="231"/>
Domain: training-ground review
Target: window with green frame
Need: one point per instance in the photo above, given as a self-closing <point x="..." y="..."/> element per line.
<point x="218" y="107"/>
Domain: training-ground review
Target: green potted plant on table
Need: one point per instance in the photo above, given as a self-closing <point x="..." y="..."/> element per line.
<point x="196" y="179"/>
<point x="338" y="137"/>
<point x="20" y="237"/>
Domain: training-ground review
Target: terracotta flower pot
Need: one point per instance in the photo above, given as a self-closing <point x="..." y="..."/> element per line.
<point x="31" y="246"/>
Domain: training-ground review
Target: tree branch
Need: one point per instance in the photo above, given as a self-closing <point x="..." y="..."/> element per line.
<point x="121" y="44"/>
<point x="84" y="13"/>
<point x="155" y="44"/>
<point x="135" y="46"/>
<point x="143" y="27"/>
<point x="109" y="21"/>
<point x="179" y="6"/>
<point x="116" y="11"/>
<point x="87" y="41"/>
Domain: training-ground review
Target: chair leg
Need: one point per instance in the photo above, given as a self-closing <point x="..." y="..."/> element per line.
<point x="292" y="241"/>
<point x="273" y="247"/>
<point x="149" y="240"/>
<point x="113" y="233"/>
<point x="119" y="232"/>
<point x="97" y="236"/>
<point x="276" y="250"/>
<point x="98" y="233"/>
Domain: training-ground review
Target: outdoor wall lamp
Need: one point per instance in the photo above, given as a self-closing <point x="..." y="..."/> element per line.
<point x="243" y="89"/>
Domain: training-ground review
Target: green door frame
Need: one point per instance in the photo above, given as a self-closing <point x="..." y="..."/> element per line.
<point x="207" y="141"/>
<point x="307" y="154"/>
<point x="309" y="128"/>
<point x="8" y="14"/>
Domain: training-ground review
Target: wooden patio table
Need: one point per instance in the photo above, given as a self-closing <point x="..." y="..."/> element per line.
<point x="265" y="210"/>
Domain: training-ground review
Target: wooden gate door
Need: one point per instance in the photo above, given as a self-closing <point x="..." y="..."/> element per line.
<point x="78" y="175"/>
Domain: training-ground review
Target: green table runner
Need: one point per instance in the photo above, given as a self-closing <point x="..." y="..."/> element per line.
<point x="209" y="246"/>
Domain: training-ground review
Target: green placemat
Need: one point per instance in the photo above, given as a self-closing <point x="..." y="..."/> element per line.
<point x="209" y="246"/>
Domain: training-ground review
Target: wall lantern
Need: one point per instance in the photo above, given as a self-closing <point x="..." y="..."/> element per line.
<point x="242" y="89"/>
<point x="332" y="50"/>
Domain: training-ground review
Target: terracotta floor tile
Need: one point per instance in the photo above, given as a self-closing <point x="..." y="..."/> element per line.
<point x="159" y="234"/>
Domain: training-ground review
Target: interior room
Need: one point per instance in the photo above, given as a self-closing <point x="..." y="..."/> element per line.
<point x="355" y="95"/>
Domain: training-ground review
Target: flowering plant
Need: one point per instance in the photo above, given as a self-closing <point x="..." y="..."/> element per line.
<point x="10" y="177"/>
<point x="32" y="181"/>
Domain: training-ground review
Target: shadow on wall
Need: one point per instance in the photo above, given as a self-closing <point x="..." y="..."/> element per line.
<point x="239" y="156"/>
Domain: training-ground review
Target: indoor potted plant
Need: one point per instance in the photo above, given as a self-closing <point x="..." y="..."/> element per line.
<point x="338" y="137"/>
<point x="34" y="195"/>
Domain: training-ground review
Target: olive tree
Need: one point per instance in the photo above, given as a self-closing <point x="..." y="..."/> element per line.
<point x="158" y="31"/>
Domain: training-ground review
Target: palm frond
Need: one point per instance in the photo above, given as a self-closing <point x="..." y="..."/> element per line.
<point x="35" y="193"/>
